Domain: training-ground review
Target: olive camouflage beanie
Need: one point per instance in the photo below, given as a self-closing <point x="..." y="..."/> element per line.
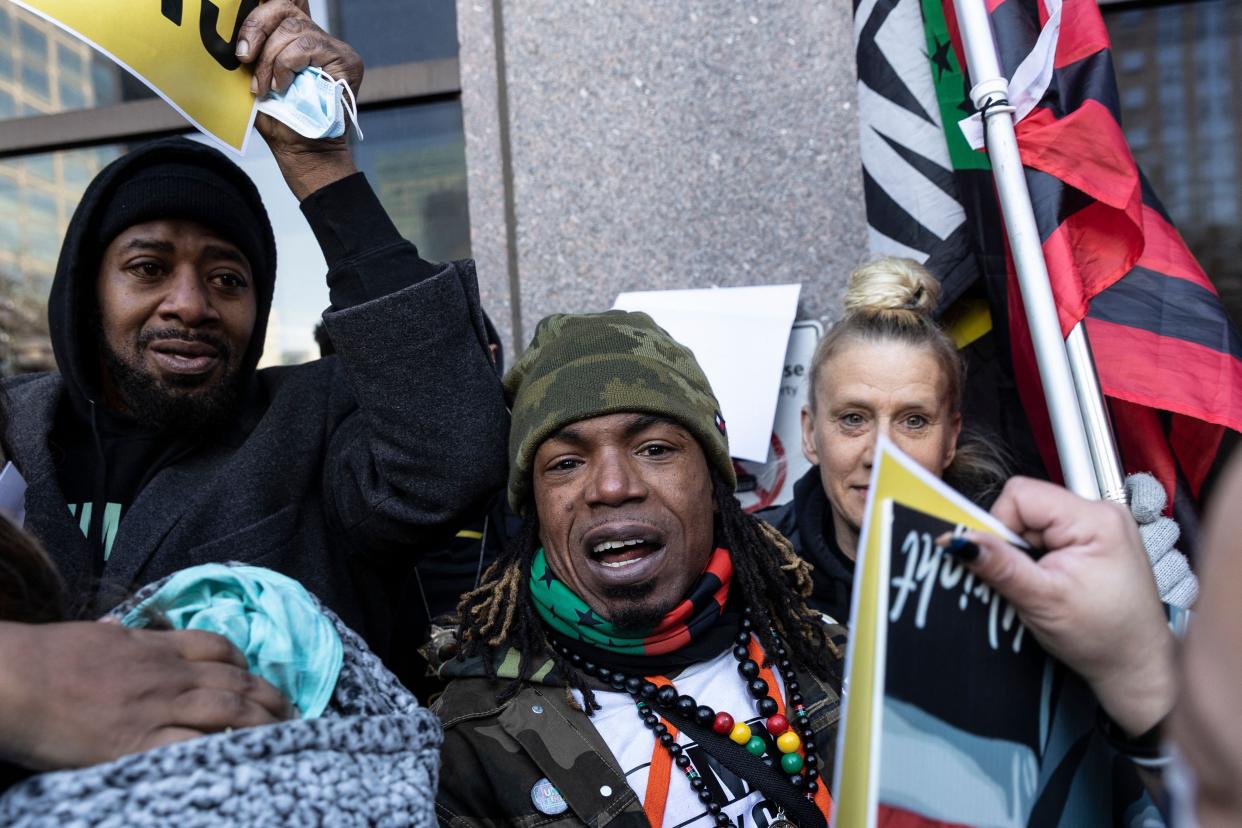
<point x="588" y="365"/>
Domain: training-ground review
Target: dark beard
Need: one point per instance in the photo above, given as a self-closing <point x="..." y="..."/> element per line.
<point x="635" y="617"/>
<point x="182" y="405"/>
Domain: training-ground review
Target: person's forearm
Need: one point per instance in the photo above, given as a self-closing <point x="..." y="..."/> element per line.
<point x="1137" y="699"/>
<point x="16" y="712"/>
<point x="366" y="255"/>
<point x="309" y="170"/>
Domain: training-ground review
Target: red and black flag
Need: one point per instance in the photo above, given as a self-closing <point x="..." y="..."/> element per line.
<point x="1168" y="359"/>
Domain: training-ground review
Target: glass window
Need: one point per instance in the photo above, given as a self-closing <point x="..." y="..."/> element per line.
<point x="69" y="60"/>
<point x="37" y="196"/>
<point x="10" y="215"/>
<point x="1131" y="61"/>
<point x="79" y="168"/>
<point x="33" y="39"/>
<point x="1225" y="208"/>
<point x="6" y="25"/>
<point x="7" y="107"/>
<point x="72" y="93"/>
<point x="81" y="77"/>
<point x="38" y="201"/>
<point x="415" y="157"/>
<point x="40" y="217"/>
<point x="34" y="79"/>
<point x="1188" y="136"/>
<point x="41" y="166"/>
<point x="105" y="78"/>
<point x="396" y="31"/>
<point x="1134" y="97"/>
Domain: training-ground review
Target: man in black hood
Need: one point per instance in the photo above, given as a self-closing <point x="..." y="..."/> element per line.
<point x="160" y="445"/>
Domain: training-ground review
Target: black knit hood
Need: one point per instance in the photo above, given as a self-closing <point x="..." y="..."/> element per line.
<point x="72" y="304"/>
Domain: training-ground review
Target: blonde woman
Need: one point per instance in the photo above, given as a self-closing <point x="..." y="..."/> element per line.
<point x="886" y="368"/>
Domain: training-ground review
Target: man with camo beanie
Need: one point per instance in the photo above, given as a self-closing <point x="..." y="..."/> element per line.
<point x="642" y="627"/>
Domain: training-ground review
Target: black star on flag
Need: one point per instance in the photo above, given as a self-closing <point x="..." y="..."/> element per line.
<point x="966" y="105"/>
<point x="941" y="57"/>
<point x="588" y="618"/>
<point x="546" y="577"/>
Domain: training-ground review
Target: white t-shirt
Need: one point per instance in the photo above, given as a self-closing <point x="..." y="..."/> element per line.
<point x="715" y="683"/>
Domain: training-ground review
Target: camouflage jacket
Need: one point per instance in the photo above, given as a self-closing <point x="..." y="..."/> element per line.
<point x="498" y="758"/>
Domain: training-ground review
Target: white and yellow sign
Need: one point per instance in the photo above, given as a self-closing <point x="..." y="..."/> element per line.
<point x="182" y="49"/>
<point x="895" y="478"/>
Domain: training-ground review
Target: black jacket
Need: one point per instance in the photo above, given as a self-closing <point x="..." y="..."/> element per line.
<point x="332" y="470"/>
<point x="807" y="522"/>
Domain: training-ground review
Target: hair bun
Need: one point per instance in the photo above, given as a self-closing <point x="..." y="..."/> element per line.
<point x="892" y="284"/>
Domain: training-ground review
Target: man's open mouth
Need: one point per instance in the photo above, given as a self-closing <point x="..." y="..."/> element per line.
<point x="179" y="356"/>
<point x="621" y="552"/>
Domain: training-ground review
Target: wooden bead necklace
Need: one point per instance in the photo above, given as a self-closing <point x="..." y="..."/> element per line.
<point x="793" y="737"/>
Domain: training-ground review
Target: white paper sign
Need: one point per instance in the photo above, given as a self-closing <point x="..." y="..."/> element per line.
<point x="738" y="336"/>
<point x="760" y="485"/>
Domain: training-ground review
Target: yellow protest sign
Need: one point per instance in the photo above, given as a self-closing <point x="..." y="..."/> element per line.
<point x="895" y="478"/>
<point x="182" y="49"/>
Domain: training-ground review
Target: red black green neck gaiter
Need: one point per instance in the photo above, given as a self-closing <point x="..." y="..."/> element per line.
<point x="699" y="627"/>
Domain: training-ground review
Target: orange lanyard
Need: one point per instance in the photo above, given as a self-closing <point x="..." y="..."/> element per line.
<point x="661" y="770"/>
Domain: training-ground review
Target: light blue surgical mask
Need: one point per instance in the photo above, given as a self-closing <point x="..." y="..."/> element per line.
<point x="269" y="617"/>
<point x="314" y="105"/>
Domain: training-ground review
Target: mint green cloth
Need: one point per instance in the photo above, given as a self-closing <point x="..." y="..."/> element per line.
<point x="270" y="617"/>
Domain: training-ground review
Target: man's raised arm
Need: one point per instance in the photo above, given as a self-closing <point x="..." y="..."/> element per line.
<point x="427" y="442"/>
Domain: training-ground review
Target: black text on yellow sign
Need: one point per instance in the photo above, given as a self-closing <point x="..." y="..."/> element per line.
<point x="174" y="46"/>
<point x="224" y="51"/>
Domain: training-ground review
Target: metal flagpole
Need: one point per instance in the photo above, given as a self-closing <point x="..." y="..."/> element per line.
<point x="1067" y="400"/>
<point x="1104" y="456"/>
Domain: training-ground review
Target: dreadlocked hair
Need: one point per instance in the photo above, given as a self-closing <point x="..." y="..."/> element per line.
<point x="767" y="570"/>
<point x="499" y="614"/>
<point x="773" y="581"/>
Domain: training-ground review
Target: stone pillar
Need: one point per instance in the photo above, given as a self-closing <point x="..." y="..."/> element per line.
<point x="653" y="144"/>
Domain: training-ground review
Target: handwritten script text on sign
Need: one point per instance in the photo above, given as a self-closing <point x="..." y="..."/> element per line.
<point x="926" y="566"/>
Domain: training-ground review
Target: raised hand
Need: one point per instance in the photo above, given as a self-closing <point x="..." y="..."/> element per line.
<point x="278" y="40"/>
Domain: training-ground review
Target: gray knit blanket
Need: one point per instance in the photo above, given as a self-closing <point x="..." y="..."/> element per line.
<point x="372" y="759"/>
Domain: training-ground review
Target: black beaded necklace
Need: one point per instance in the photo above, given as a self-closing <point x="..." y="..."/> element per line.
<point x="789" y="734"/>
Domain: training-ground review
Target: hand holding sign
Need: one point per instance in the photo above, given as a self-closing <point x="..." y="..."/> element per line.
<point x="279" y="39"/>
<point x="1090" y="599"/>
<point x="193" y="53"/>
<point x="956" y="713"/>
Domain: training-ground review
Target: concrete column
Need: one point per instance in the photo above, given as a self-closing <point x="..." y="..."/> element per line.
<point x="653" y="144"/>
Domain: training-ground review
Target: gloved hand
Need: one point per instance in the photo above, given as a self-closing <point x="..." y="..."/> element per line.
<point x="1177" y="585"/>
